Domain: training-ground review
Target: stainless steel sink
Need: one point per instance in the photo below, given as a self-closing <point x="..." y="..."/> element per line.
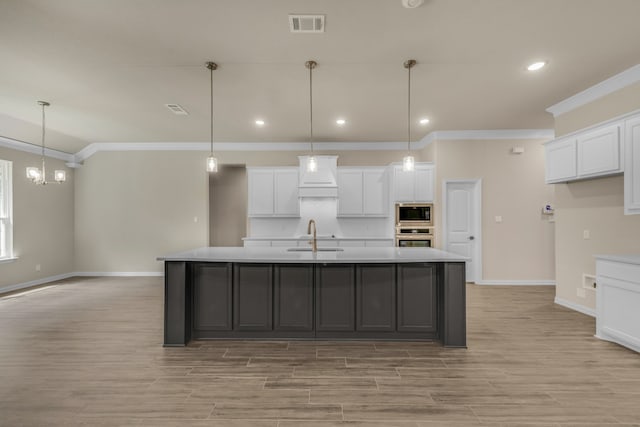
<point x="319" y="249"/>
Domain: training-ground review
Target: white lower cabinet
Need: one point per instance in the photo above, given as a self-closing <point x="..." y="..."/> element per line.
<point x="618" y="300"/>
<point x="379" y="243"/>
<point x="351" y="243"/>
<point x="256" y="243"/>
<point x="632" y="167"/>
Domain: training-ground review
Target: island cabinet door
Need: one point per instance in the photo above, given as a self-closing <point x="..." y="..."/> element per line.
<point x="252" y="297"/>
<point x="335" y="293"/>
<point x="293" y="297"/>
<point x="376" y="297"/>
<point x="212" y="297"/>
<point x="417" y="298"/>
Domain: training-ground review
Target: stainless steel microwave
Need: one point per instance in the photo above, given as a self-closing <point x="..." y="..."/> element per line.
<point x="414" y="214"/>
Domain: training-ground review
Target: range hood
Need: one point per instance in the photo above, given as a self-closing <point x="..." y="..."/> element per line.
<point x="321" y="183"/>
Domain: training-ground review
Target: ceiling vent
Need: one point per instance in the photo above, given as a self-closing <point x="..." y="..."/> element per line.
<point x="306" y="23"/>
<point x="176" y="109"/>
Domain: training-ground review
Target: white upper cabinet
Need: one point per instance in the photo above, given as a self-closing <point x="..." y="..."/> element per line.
<point x="561" y="160"/>
<point x="589" y="154"/>
<point x="413" y="186"/>
<point x="261" y="192"/>
<point x="286" y="192"/>
<point x="362" y="192"/>
<point x="273" y="192"/>
<point x="599" y="151"/>
<point x="632" y="167"/>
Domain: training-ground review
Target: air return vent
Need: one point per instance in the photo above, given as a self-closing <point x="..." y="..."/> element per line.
<point x="176" y="109"/>
<point x="306" y="23"/>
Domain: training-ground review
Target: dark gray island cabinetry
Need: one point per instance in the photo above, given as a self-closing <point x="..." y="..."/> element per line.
<point x="358" y="293"/>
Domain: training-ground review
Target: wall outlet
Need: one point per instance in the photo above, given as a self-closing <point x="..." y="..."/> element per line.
<point x="580" y="292"/>
<point x="37" y="267"/>
<point x="498" y="218"/>
<point x="195" y="219"/>
<point x="586" y="234"/>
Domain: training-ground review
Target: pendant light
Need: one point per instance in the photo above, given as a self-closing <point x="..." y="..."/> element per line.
<point x="39" y="176"/>
<point x="212" y="162"/>
<point x="408" y="162"/>
<point x="312" y="163"/>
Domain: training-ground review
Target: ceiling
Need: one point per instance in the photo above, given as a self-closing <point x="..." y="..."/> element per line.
<point x="109" y="66"/>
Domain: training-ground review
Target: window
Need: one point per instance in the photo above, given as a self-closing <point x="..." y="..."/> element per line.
<point x="6" y="225"/>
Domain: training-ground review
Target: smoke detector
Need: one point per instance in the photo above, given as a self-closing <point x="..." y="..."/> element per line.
<point x="411" y="4"/>
<point x="306" y="23"/>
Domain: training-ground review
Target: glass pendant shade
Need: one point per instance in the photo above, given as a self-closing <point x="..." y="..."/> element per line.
<point x="212" y="164"/>
<point x="408" y="163"/>
<point x="312" y="164"/>
<point x="33" y="174"/>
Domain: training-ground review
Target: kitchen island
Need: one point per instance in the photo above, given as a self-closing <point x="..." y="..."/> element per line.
<point x="336" y="293"/>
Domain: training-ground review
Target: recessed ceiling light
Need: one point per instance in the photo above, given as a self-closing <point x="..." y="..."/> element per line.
<point x="260" y="122"/>
<point x="424" y="121"/>
<point x="341" y="122"/>
<point x="536" y="66"/>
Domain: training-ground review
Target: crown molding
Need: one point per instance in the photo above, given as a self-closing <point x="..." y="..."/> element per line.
<point x="34" y="149"/>
<point x="75" y="160"/>
<point x="449" y="135"/>
<point x="605" y="87"/>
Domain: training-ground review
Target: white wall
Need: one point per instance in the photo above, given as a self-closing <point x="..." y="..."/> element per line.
<point x="43" y="223"/>
<point x="596" y="205"/>
<point x="521" y="247"/>
<point x="133" y="207"/>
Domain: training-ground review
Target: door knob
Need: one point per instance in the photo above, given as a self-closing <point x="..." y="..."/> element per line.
<point x="471" y="238"/>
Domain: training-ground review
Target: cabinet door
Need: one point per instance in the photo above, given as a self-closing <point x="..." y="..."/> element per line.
<point x="561" y="160"/>
<point x="374" y="193"/>
<point x="376" y="297"/>
<point x="403" y="185"/>
<point x="212" y="297"/>
<point x="416" y="297"/>
<point x="252" y="297"/>
<point x="335" y="297"/>
<point x="424" y="184"/>
<point x="632" y="167"/>
<point x="286" y="193"/>
<point x="261" y="192"/>
<point x="350" y="192"/>
<point x="599" y="151"/>
<point x="293" y="297"/>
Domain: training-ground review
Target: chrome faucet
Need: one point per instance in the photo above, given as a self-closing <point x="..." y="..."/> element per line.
<point x="314" y="241"/>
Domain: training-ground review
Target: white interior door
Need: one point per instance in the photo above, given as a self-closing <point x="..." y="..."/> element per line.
<point x="461" y="223"/>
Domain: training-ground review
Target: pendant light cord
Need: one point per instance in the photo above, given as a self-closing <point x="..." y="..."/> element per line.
<point x="409" y="110"/>
<point x="311" y="65"/>
<point x="210" y="65"/>
<point x="43" y="128"/>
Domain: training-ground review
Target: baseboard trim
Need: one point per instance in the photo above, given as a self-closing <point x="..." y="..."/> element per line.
<point x="36" y="282"/>
<point x="118" y="273"/>
<point x="32" y="283"/>
<point x="517" y="282"/>
<point x="575" y="307"/>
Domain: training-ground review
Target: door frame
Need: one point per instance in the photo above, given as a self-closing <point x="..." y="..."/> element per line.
<point x="477" y="220"/>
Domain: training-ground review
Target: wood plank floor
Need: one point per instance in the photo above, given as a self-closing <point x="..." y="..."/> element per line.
<point x="88" y="352"/>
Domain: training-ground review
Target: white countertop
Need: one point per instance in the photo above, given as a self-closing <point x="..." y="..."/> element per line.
<point x="627" y="259"/>
<point x="346" y="255"/>
<point x="323" y="238"/>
